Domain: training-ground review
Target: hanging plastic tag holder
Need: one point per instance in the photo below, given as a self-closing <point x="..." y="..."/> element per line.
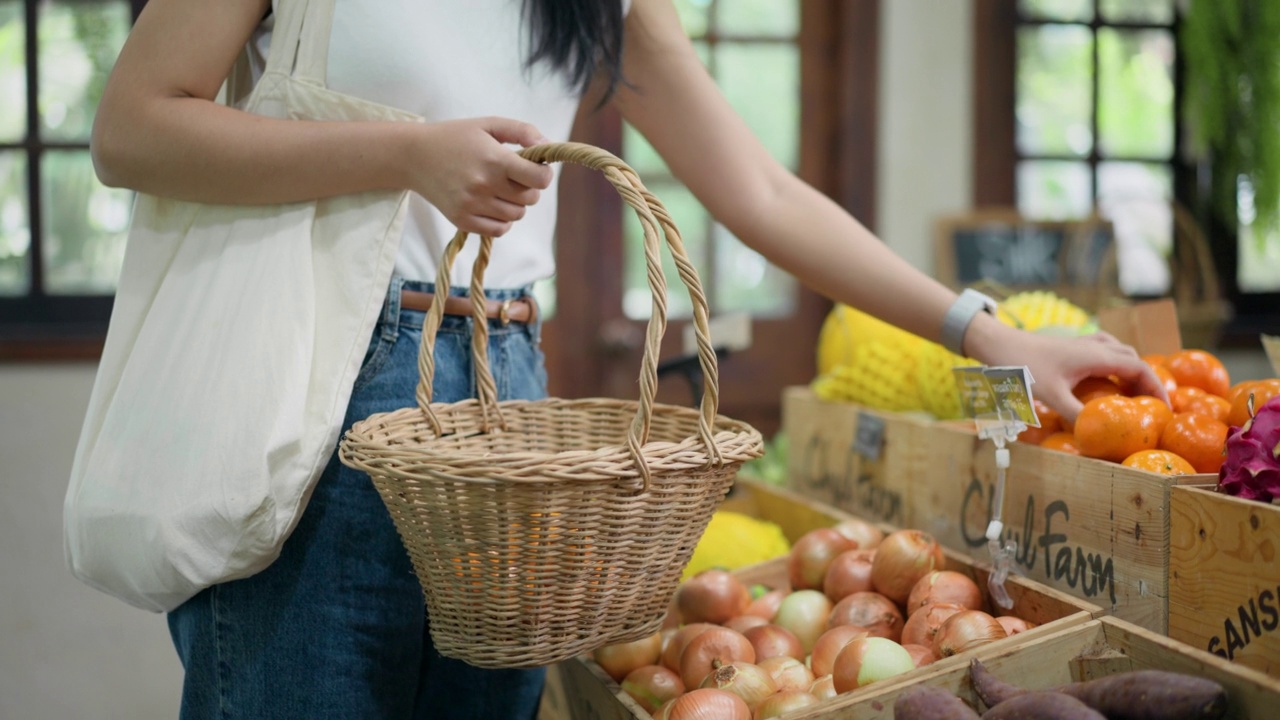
<point x="999" y="401"/>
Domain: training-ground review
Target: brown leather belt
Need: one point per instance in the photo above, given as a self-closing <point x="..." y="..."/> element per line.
<point x="518" y="310"/>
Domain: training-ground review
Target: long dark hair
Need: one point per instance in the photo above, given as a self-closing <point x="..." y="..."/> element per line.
<point x="579" y="38"/>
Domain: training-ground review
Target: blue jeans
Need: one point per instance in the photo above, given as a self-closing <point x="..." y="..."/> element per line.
<point x="337" y="627"/>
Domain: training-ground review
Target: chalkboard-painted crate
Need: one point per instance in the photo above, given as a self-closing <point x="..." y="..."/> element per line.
<point x="580" y="689"/>
<point x="1098" y="648"/>
<point x="1224" y="576"/>
<point x="863" y="461"/>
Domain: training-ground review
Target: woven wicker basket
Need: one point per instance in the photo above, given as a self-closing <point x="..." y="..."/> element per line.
<point x="544" y="529"/>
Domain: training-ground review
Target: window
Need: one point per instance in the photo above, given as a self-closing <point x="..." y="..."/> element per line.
<point x="62" y="233"/>
<point x="1095" y="123"/>
<point x="751" y="48"/>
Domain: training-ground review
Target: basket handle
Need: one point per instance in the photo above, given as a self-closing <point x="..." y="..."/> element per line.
<point x="653" y="215"/>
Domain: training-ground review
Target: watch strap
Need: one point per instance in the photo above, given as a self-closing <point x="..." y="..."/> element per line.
<point x="960" y="314"/>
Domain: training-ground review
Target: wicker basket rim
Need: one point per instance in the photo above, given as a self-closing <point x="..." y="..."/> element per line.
<point x="737" y="441"/>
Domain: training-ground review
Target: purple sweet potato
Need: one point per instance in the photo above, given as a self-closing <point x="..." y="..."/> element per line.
<point x="991" y="689"/>
<point x="1042" y="705"/>
<point x="926" y="702"/>
<point x="1152" y="695"/>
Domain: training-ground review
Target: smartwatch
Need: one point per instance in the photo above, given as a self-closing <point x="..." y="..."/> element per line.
<point x="960" y="314"/>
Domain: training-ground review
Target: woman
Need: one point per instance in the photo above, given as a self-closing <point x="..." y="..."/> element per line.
<point x="335" y="627"/>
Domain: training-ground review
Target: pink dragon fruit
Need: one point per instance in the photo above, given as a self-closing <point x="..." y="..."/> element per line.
<point x="1252" y="467"/>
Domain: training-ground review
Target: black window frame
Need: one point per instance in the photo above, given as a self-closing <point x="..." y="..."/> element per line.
<point x="996" y="156"/>
<point x="39" y="325"/>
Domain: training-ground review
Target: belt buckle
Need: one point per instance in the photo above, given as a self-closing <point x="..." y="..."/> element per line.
<point x="504" y="313"/>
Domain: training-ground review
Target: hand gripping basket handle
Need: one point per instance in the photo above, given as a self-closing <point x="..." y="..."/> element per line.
<point x="652" y="215"/>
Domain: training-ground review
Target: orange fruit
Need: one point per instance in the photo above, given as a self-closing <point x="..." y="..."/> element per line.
<point x="1263" y="390"/>
<point x="1160" y="411"/>
<point x="1183" y="396"/>
<point x="1165" y="375"/>
<point x="1201" y="369"/>
<point x="1093" y="387"/>
<point x="1050" y="423"/>
<point x="1212" y="405"/>
<point x="1199" y="439"/>
<point x="1154" y="359"/>
<point x="1113" y="427"/>
<point x="1159" y="461"/>
<point x="1062" y="442"/>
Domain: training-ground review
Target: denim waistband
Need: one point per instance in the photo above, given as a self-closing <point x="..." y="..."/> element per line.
<point x="393" y="314"/>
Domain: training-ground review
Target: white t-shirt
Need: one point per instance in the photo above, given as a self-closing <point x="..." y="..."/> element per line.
<point x="445" y="60"/>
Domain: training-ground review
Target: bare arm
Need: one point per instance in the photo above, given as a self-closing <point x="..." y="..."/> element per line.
<point x="678" y="108"/>
<point x="159" y="130"/>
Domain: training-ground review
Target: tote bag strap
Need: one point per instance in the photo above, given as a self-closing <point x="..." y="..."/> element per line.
<point x="300" y="40"/>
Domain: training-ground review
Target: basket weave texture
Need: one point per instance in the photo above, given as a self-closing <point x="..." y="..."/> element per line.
<point x="544" y="529"/>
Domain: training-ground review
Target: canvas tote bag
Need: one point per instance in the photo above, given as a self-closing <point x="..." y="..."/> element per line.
<point x="235" y="339"/>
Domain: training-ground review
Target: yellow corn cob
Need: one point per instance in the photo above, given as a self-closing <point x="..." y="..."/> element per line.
<point x="881" y="376"/>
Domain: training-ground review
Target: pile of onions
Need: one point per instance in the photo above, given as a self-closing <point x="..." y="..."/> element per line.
<point x="945" y="586"/>
<point x="862" y="606"/>
<point x="653" y="685"/>
<point x="967" y="630"/>
<point x="848" y="573"/>
<point x="901" y="560"/>
<point x="874" y="612"/>
<point x="712" y="596"/>
<point x="865" y="533"/>
<point x="811" y="554"/>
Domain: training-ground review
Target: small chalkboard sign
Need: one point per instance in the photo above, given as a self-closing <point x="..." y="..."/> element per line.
<point x="1001" y="247"/>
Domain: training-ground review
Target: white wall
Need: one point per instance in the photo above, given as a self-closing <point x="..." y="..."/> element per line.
<point x="925" y="121"/>
<point x="65" y="651"/>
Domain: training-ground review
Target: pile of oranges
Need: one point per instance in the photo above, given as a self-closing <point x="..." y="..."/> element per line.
<point x="1187" y="436"/>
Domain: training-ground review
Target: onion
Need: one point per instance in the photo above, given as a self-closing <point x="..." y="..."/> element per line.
<point x="921" y="655"/>
<point x="823" y="657"/>
<point x="766" y="606"/>
<point x="874" y="612"/>
<point x="773" y="640"/>
<point x="785" y="702"/>
<point x="705" y="704"/>
<point x="711" y="649"/>
<point x="619" y="659"/>
<point x="866" y="534"/>
<point x="675" y="646"/>
<point x="788" y="673"/>
<point x="1014" y="625"/>
<point x="848" y="573"/>
<point x="811" y="554"/>
<point x="750" y="682"/>
<point x="922" y="627"/>
<point x="804" y="612"/>
<point x="823" y="688"/>
<point x="869" y="660"/>
<point x="742" y="623"/>
<point x="945" y="586"/>
<point x="966" y="630"/>
<point x="901" y="560"/>
<point x="712" y="596"/>
<point x="652" y="685"/>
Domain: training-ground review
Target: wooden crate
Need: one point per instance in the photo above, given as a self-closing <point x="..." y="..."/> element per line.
<point x="580" y="689"/>
<point x="1090" y="528"/>
<point x="1224" y="576"/>
<point x="828" y="462"/>
<point x="1080" y="652"/>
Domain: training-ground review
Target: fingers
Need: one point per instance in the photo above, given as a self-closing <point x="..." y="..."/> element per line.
<point x="526" y="173"/>
<point x="506" y="130"/>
